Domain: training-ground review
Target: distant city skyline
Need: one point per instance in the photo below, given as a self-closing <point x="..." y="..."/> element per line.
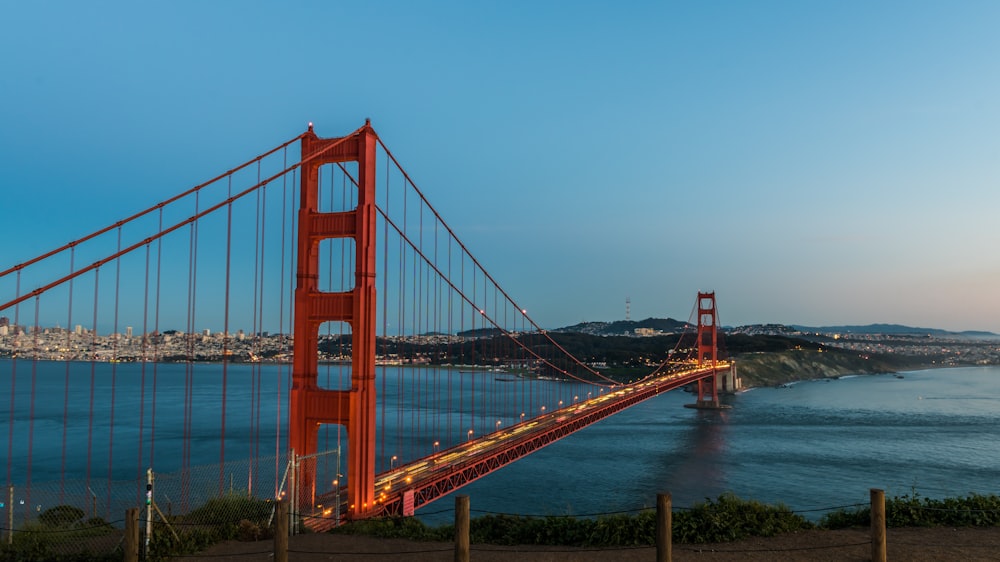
<point x="814" y="164"/>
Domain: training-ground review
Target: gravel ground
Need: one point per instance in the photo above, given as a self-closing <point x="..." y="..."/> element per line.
<point x="937" y="543"/>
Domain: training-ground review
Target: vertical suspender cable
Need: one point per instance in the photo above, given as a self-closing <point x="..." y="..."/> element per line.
<point x="69" y="361"/>
<point x="281" y="319"/>
<point x="189" y="350"/>
<point x="257" y="298"/>
<point x="255" y="393"/>
<point x="156" y="344"/>
<point x="476" y="315"/>
<point x="114" y="369"/>
<point x="413" y="372"/>
<point x="385" y="310"/>
<point x="461" y="342"/>
<point x="93" y="369"/>
<point x="31" y="415"/>
<point x="401" y="383"/>
<point x="347" y="203"/>
<point x="142" y="367"/>
<point x="13" y="389"/>
<point x="225" y="338"/>
<point x="436" y="427"/>
<point x="291" y="312"/>
<point x="451" y="334"/>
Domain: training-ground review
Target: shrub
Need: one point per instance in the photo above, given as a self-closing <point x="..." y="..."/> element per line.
<point x="911" y="510"/>
<point x="729" y="519"/>
<point x="61" y="516"/>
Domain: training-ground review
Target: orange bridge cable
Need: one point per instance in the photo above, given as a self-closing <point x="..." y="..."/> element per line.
<point x="141" y="214"/>
<point x="164" y="232"/>
<point x="481" y="268"/>
<point x="257" y="300"/>
<point x="255" y="385"/>
<point x="13" y="388"/>
<point x="175" y="227"/>
<point x="69" y="346"/>
<point x="281" y="313"/>
<point x="93" y="375"/>
<point x="451" y="232"/>
<point x="506" y="333"/>
<point x="142" y="367"/>
<point x="225" y="340"/>
<point x="156" y="344"/>
<point x="114" y="368"/>
<point x="663" y="366"/>
<point x="488" y="276"/>
<point x="31" y="414"/>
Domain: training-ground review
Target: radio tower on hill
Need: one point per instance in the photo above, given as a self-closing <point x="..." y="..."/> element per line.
<point x="628" y="306"/>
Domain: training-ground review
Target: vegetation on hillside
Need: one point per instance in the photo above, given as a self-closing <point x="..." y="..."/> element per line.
<point x="727" y="518"/>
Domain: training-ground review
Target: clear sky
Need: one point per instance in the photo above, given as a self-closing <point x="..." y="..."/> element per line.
<point x="812" y="162"/>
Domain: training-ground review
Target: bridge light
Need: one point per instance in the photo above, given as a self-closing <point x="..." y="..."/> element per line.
<point x="470" y="435"/>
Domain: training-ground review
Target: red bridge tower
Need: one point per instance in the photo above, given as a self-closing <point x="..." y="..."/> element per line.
<point x="311" y="405"/>
<point x="708" y="338"/>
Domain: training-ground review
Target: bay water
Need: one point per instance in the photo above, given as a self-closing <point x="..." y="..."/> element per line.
<point x="812" y="445"/>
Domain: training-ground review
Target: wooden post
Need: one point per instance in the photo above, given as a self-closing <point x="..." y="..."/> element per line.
<point x="461" y="528"/>
<point x="281" y="532"/>
<point x="878" y="525"/>
<point x="132" y="534"/>
<point x="664" y="524"/>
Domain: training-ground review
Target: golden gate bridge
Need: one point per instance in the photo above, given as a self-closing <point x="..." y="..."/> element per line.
<point x="394" y="345"/>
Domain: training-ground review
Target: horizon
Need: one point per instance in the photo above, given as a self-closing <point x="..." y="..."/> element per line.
<point x="104" y="332"/>
<point x="842" y="156"/>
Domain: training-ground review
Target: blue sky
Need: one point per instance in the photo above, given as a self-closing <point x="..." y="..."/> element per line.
<point x="813" y="163"/>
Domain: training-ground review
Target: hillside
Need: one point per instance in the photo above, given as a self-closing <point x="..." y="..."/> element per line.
<point x="780" y="367"/>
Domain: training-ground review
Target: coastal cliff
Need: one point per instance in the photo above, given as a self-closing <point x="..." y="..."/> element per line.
<point x="774" y="368"/>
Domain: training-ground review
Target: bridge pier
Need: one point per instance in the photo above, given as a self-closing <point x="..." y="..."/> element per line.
<point x="708" y="405"/>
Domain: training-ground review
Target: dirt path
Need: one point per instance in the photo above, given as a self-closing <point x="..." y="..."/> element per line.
<point x="845" y="545"/>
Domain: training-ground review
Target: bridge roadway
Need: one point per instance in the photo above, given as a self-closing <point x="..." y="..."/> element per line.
<point x="408" y="487"/>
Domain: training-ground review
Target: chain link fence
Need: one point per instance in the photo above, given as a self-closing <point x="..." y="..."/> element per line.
<point x="178" y="512"/>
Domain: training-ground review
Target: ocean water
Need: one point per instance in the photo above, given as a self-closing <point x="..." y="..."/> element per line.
<point x="812" y="446"/>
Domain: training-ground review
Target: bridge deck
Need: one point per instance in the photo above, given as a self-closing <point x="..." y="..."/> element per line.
<point x="416" y="484"/>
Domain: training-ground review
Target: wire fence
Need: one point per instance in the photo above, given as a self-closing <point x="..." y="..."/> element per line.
<point x="179" y="514"/>
<point x="81" y="520"/>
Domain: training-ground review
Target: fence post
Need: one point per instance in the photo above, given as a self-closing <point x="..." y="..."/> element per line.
<point x="281" y="532"/>
<point x="664" y="524"/>
<point x="878" y="525"/>
<point x="149" y="509"/>
<point x="132" y="534"/>
<point x="10" y="514"/>
<point x="293" y="492"/>
<point x="461" y="528"/>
